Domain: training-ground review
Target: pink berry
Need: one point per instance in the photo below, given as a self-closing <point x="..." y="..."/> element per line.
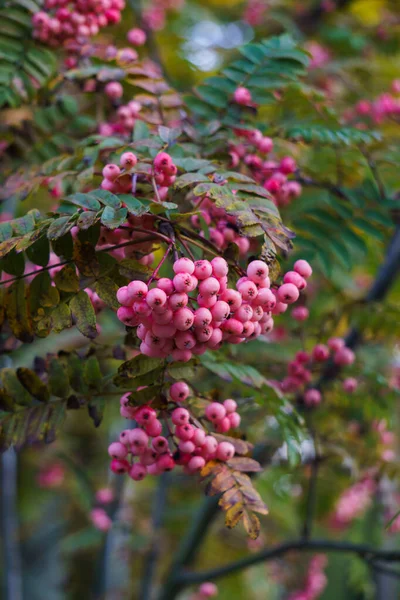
<point x="199" y="437"/>
<point x="215" y="411"/>
<point x="320" y="353"/>
<point x="202" y="269"/>
<point x="138" y="472"/>
<point x="179" y="391"/>
<point x="202" y="317"/>
<point x="350" y="385"/>
<point x="144" y="415"/>
<point x="138" y="440"/>
<point x="266" y="299"/>
<point x="257" y="270"/>
<point x="288" y="293"/>
<point x="265" y="145"/>
<point x="234" y="419"/>
<point x="208" y="589"/>
<point x="119" y="466"/>
<point x="180" y="416"/>
<point x="220" y="311"/>
<point x="128" y="160"/>
<point x="223" y="425"/>
<point x="287" y="165"/>
<point x="163" y="331"/>
<point x="185" y="340"/>
<point x="165" y="463"/>
<point x="178" y="300"/>
<point x="244" y="313"/>
<point x="114" y="90"/>
<point x="196" y="463"/>
<point x="312" y="397"/>
<point x="184" y="282"/>
<point x="162" y="161"/>
<point x="210" y="444"/>
<point x="183" y="319"/>
<point x="160" y="444"/>
<point x="303" y="268"/>
<point x="165" y="284"/>
<point x="219" y="267"/>
<point x="138" y="290"/>
<point x="230" y="405"/>
<point x="184" y="265"/>
<point x="344" y="357"/>
<point x="184" y="432"/>
<point x="117" y="450"/>
<point x="300" y="313"/>
<point x="232" y="326"/>
<point x="186" y="446"/>
<point x="225" y="451"/>
<point x="232" y="298"/>
<point x="154" y="428"/>
<point x="293" y="277"/>
<point x="111" y="172"/>
<point x="242" y="96"/>
<point x="136" y="37"/>
<point x="248" y="290"/>
<point x="215" y="338"/>
<point x="209" y="287"/>
<point x="156" y="297"/>
<point x="336" y="344"/>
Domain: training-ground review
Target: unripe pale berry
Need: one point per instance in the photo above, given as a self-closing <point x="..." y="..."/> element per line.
<point x="208" y="590"/>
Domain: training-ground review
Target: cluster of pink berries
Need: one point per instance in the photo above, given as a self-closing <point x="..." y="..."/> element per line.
<point x="120" y="182"/>
<point x="300" y="369"/>
<point x="353" y="502"/>
<point x="385" y="106"/>
<point x="206" y="590"/>
<point x="145" y="451"/>
<point x="124" y="121"/>
<point x="316" y="580"/>
<point x="168" y="324"/>
<point x="66" y="22"/>
<point x="387" y="440"/>
<point x="272" y="174"/>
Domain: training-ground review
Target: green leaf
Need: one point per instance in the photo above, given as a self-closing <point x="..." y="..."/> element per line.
<point x="16" y="308"/>
<point x="39" y="252"/>
<point x="83" y="314"/>
<point x="67" y="280"/>
<point x="61" y="318"/>
<point x="96" y="408"/>
<point x="33" y="384"/>
<point x="107" y="289"/>
<point x="14" y="388"/>
<point x="58" y="378"/>
<point x="59" y="227"/>
<point x="107" y="198"/>
<point x="92" y="375"/>
<point x="135" y="206"/>
<point x="112" y="218"/>
<point x="84" y="201"/>
<point x="139" y="365"/>
<point x="168" y="135"/>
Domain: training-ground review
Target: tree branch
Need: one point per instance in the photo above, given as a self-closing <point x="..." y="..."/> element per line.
<point x="364" y="551"/>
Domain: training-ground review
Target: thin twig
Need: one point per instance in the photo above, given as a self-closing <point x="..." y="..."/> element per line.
<point x="311" y="503"/>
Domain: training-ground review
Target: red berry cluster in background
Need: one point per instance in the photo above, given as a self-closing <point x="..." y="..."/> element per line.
<point x="252" y="150"/>
<point x="145" y="451"/>
<point x="68" y="23"/>
<point x="300" y="370"/>
<point x="172" y="321"/>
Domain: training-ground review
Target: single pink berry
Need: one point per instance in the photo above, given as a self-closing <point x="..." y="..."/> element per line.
<point x="208" y="590"/>
<point x="180" y="416"/>
<point x="312" y="397"/>
<point x="230" y="405"/>
<point x="199" y="437"/>
<point x="225" y="451"/>
<point x="220" y="311"/>
<point x="156" y="297"/>
<point x="186" y="446"/>
<point x="165" y="463"/>
<point x="114" y="90"/>
<point x="287" y="165"/>
<point x="344" y="357"/>
<point x="117" y="450"/>
<point x="350" y="385"/>
<point x="154" y="428"/>
<point x="136" y="37"/>
<point x="336" y="344"/>
<point x="219" y="267"/>
<point x="202" y="269"/>
<point x="257" y="270"/>
<point x="215" y="411"/>
<point x="209" y="287"/>
<point x="234" y="419"/>
<point x="145" y="414"/>
<point x="320" y="353"/>
<point x="179" y="391"/>
<point x="183" y="319"/>
<point x="111" y="172"/>
<point x="138" y="290"/>
<point x="184" y="265"/>
<point x="128" y="160"/>
<point x="160" y="444"/>
<point x="300" y="313"/>
<point x="288" y="293"/>
<point x="165" y="284"/>
<point x="178" y="300"/>
<point x="242" y="96"/>
<point x="185" y="432"/>
<point x="196" y="463"/>
<point x="303" y="268"/>
<point x="119" y="466"/>
<point x="248" y="290"/>
<point x="293" y="277"/>
<point x="232" y="298"/>
<point x="162" y="161"/>
<point x="138" y="440"/>
<point x="137" y="472"/>
<point x="203" y="317"/>
<point x="184" y="282"/>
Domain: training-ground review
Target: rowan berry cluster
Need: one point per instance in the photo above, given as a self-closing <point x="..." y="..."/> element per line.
<point x="252" y="151"/>
<point x="145" y="451"/>
<point x="169" y="323"/>
<point x="119" y="182"/>
<point x="65" y="22"/>
<point x="300" y="370"/>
